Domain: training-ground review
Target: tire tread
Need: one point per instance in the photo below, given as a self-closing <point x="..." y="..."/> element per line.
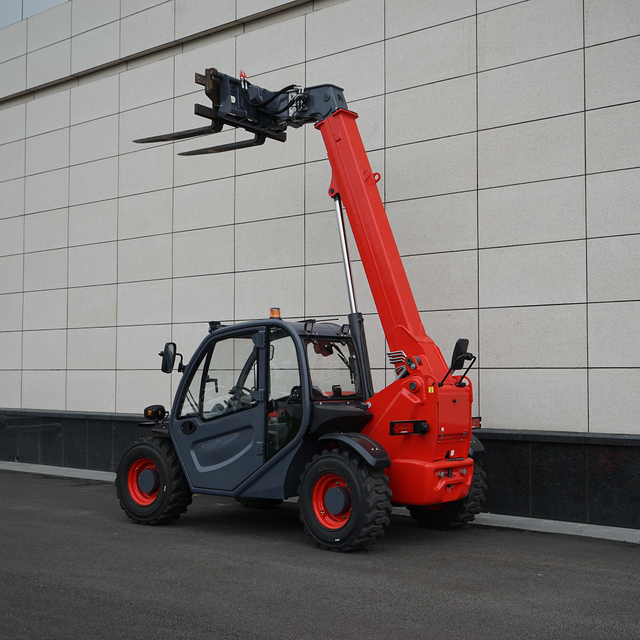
<point x="180" y="497"/>
<point x="377" y="509"/>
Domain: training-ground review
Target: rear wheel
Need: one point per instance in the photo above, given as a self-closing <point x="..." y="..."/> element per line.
<point x="150" y="483"/>
<point x="344" y="503"/>
<point x="258" y="503"/>
<point x="452" y="515"/>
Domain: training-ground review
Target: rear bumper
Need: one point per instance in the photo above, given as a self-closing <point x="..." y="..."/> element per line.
<point x="414" y="482"/>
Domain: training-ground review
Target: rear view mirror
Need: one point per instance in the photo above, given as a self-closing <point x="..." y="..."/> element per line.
<point x="458" y="359"/>
<point x="460" y="354"/>
<point x="324" y="348"/>
<point x="169" y="358"/>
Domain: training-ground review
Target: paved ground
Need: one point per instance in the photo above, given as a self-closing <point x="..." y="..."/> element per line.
<point x="73" y="566"/>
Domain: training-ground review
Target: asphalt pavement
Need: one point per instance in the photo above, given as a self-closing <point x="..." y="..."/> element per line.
<point x="73" y="566"/>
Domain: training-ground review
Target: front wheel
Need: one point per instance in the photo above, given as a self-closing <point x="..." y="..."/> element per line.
<point x="452" y="515"/>
<point x="150" y="483"/>
<point x="344" y="503"/>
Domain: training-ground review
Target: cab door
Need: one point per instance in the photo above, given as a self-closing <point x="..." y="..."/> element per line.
<point x="219" y="424"/>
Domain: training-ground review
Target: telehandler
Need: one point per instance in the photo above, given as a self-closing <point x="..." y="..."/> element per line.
<point x="267" y="410"/>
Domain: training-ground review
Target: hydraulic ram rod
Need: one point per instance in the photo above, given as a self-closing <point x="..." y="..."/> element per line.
<point x="345" y="255"/>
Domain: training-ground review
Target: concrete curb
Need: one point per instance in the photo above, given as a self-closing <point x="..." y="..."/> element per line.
<point x="66" y="472"/>
<point x="617" y="534"/>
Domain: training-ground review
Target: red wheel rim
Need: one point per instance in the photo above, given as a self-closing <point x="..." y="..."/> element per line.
<point x="136" y="468"/>
<point x="324" y="516"/>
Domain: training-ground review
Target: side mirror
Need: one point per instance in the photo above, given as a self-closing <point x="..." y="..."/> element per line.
<point x="460" y="355"/>
<point x="168" y="355"/>
<point x="458" y="359"/>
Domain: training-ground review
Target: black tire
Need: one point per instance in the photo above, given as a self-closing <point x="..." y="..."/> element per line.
<point x="365" y="501"/>
<point x="170" y="495"/>
<point x="258" y="503"/>
<point x="454" y="515"/>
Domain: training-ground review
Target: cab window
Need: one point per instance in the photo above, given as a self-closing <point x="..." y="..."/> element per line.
<point x="224" y="380"/>
<point x="333" y="369"/>
<point x="285" y="398"/>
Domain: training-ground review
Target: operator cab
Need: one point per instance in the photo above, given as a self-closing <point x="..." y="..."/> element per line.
<point x="252" y="391"/>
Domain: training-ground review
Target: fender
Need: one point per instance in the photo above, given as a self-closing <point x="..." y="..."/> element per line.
<point x="372" y="452"/>
<point x="476" y="448"/>
<point x="162" y="431"/>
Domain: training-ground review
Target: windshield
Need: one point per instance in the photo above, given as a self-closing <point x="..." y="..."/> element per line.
<point x="333" y="368"/>
<point x="224" y="381"/>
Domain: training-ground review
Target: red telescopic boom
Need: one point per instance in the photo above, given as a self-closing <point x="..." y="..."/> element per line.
<point x="354" y="182"/>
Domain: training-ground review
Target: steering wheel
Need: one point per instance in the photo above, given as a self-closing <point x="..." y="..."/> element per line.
<point x="240" y="396"/>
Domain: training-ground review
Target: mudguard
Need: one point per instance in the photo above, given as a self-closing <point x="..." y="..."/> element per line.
<point x="372" y="452"/>
<point x="476" y="448"/>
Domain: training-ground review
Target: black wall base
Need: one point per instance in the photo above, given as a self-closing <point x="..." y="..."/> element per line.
<point x="67" y="439"/>
<point x="587" y="478"/>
